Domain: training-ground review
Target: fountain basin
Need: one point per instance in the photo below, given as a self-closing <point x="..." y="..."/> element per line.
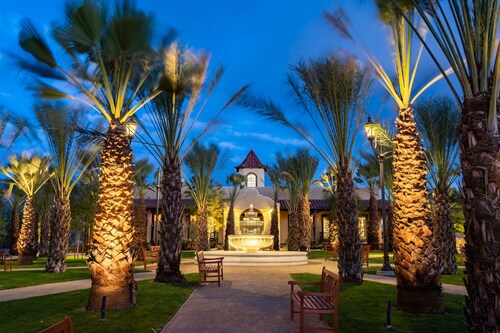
<point x="262" y="258"/>
<point x="250" y="243"/>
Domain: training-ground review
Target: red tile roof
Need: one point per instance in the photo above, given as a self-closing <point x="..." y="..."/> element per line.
<point x="251" y="161"/>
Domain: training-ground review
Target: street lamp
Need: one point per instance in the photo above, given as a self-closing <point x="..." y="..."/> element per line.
<point x="373" y="134"/>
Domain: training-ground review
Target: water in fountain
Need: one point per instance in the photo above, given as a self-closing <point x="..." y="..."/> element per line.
<point x="251" y="238"/>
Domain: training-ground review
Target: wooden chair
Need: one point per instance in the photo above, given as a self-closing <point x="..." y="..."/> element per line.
<point x="326" y="301"/>
<point x="64" y="326"/>
<point x="209" y="268"/>
<point x="150" y="256"/>
<point x="5" y="259"/>
<point x="365" y="255"/>
<point x="332" y="250"/>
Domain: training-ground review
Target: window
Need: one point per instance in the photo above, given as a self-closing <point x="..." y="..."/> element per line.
<point x="251" y="180"/>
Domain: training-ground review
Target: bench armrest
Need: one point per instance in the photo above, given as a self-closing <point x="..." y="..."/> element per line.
<point x="213" y="259"/>
<point x="302" y="283"/>
<point x="302" y="294"/>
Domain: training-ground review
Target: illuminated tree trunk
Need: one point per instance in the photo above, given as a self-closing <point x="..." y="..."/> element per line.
<point x="60" y="229"/>
<point x="27" y="244"/>
<point x="444" y="237"/>
<point x="171" y="224"/>
<point x="275" y="227"/>
<point x="390" y="226"/>
<point x="293" y="230"/>
<point x="111" y="259"/>
<point x="373" y="223"/>
<point x="229" y="226"/>
<point x="202" y="241"/>
<point x="481" y="177"/>
<point x="43" y="249"/>
<point x="304" y="224"/>
<point x="14" y="229"/>
<point x="349" y="263"/>
<point x="140" y="222"/>
<point x="418" y="276"/>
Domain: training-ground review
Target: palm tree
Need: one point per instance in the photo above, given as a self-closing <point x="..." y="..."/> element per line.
<point x="333" y="93"/>
<point x="59" y="125"/>
<point x="172" y="116"/>
<point x="329" y="184"/>
<point x="300" y="168"/>
<point x="142" y="170"/>
<point x="15" y="198"/>
<point x="28" y="174"/>
<point x="368" y="174"/>
<point x="45" y="201"/>
<point x="234" y="180"/>
<point x="201" y="162"/>
<point x="438" y="121"/>
<point x="276" y="177"/>
<point x="108" y="54"/>
<point x="416" y="268"/>
<point x="468" y="39"/>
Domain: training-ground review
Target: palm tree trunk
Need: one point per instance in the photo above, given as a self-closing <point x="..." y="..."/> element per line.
<point x="373" y="223"/>
<point x="202" y="241"/>
<point x="305" y="224"/>
<point x="229" y="226"/>
<point x="444" y="237"/>
<point x="418" y="276"/>
<point x="44" y="234"/>
<point x="111" y="259"/>
<point x="27" y="244"/>
<point x="479" y="162"/>
<point x="349" y="263"/>
<point x="60" y="229"/>
<point x="140" y="221"/>
<point x="293" y="230"/>
<point x="390" y="226"/>
<point x="14" y="229"/>
<point x="171" y="224"/>
<point x="275" y="227"/>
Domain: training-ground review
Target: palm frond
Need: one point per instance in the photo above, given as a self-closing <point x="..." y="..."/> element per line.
<point x="32" y="42"/>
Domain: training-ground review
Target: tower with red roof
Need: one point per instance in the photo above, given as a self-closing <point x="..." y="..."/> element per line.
<point x="253" y="170"/>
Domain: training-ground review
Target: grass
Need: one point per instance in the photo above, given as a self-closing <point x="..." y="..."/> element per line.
<point x="40" y="263"/>
<point x="448" y="279"/>
<point x="156" y="304"/>
<point x="363" y="308"/>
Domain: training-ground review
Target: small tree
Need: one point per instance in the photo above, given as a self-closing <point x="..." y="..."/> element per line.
<point x="276" y="178"/>
<point x="234" y="180"/>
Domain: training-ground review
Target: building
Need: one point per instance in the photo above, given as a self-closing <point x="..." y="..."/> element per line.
<point x="255" y="192"/>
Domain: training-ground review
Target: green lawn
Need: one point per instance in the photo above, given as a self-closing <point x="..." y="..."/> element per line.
<point x="363" y="307"/>
<point x="448" y="279"/>
<point x="156" y="304"/>
<point x="40" y="263"/>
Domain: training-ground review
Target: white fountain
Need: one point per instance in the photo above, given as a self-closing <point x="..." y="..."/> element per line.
<point x="251" y="239"/>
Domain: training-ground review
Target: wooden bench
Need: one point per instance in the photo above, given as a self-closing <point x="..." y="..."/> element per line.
<point x="365" y="255"/>
<point x="332" y="250"/>
<point x="5" y="259"/>
<point x="64" y="326"/>
<point x="150" y="256"/>
<point x="323" y="302"/>
<point x="209" y="268"/>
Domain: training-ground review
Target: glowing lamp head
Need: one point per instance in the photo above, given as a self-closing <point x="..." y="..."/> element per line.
<point x="131" y="127"/>
<point x="370" y="129"/>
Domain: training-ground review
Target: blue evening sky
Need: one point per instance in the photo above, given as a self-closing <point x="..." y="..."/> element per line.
<point x="255" y="41"/>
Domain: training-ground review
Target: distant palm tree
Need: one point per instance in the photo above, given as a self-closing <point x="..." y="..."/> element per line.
<point x="142" y="171"/>
<point x="368" y="174"/>
<point x="28" y="174"/>
<point x="15" y="198"/>
<point x="438" y="121"/>
<point x="234" y="180"/>
<point x="107" y="61"/>
<point x="276" y="177"/>
<point x="333" y="93"/>
<point x="45" y="202"/>
<point x="201" y="162"/>
<point x="172" y="116"/>
<point x="468" y="38"/>
<point x="328" y="183"/>
<point x="59" y="124"/>
<point x="416" y="269"/>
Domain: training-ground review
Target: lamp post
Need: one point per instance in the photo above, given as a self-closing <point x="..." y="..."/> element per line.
<point x="373" y="136"/>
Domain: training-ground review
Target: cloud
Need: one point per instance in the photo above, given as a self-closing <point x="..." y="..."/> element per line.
<point x="274" y="139"/>
<point x="230" y="145"/>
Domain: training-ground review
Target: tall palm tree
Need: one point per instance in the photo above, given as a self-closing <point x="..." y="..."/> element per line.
<point x="468" y="39"/>
<point x="368" y="174"/>
<point x="59" y="125"/>
<point x="28" y="174"/>
<point x="438" y="121"/>
<point x="45" y="202"/>
<point x="234" y="180"/>
<point x="201" y="162"/>
<point x="15" y="198"/>
<point x="108" y="53"/>
<point x="333" y="93"/>
<point x="172" y="117"/>
<point x="276" y="177"/>
<point x="300" y="168"/>
<point x="416" y="268"/>
<point x="142" y="171"/>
